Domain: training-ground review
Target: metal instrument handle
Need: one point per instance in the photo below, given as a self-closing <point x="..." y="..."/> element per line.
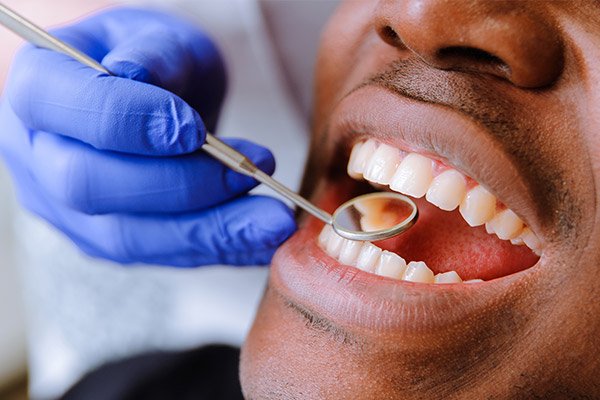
<point x="213" y="146"/>
<point x="240" y="163"/>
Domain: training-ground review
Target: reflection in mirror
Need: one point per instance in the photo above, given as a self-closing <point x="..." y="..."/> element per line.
<point x="375" y="212"/>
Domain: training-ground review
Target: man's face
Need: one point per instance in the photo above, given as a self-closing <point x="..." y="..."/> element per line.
<point x="491" y="105"/>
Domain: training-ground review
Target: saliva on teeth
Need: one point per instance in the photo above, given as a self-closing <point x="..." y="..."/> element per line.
<point x="416" y="175"/>
<point x="369" y="258"/>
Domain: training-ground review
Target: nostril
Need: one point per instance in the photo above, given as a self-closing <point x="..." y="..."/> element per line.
<point x="390" y="36"/>
<point x="469" y="53"/>
<point x="471" y="58"/>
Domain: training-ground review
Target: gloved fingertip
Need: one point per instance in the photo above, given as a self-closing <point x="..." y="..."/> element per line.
<point x="259" y="155"/>
<point x="274" y="225"/>
<point x="201" y="131"/>
<point x="264" y="160"/>
<point x="237" y="183"/>
<point x="129" y="70"/>
<point x="182" y="132"/>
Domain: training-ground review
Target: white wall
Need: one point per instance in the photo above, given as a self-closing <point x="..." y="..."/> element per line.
<point x="12" y="321"/>
<point x="12" y="326"/>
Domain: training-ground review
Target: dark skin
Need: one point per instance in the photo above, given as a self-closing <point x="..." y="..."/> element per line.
<point x="525" y="76"/>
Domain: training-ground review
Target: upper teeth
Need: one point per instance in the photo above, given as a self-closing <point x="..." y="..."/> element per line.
<point x="413" y="176"/>
<point x="447" y="190"/>
<point x="416" y="175"/>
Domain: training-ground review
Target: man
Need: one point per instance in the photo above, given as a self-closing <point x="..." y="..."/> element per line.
<point x="468" y="114"/>
<point x="507" y="93"/>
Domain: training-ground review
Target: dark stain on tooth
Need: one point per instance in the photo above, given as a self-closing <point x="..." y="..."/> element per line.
<point x="518" y="122"/>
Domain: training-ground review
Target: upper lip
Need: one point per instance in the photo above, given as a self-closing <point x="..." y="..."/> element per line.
<point x="433" y="130"/>
<point x="348" y="296"/>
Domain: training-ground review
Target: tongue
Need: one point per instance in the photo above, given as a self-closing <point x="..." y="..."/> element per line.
<point x="447" y="243"/>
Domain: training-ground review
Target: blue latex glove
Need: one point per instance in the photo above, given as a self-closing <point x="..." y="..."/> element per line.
<point x="113" y="162"/>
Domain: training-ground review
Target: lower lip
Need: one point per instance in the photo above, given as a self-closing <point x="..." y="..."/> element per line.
<point x="356" y="300"/>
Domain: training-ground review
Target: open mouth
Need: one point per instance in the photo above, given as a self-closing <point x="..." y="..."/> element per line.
<point x="469" y="252"/>
<point x="464" y="234"/>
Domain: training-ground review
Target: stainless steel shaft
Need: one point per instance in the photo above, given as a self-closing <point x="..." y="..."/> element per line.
<point x="240" y="163"/>
<point x="213" y="146"/>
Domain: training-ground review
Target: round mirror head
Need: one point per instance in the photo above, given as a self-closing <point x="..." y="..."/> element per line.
<point x="375" y="216"/>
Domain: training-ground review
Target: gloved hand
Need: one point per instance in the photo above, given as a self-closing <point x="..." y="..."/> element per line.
<point x="113" y="162"/>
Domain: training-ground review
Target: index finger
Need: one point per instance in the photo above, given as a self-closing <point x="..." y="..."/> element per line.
<point x="52" y="92"/>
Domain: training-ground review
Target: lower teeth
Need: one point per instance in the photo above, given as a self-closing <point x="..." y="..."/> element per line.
<point x="370" y="258"/>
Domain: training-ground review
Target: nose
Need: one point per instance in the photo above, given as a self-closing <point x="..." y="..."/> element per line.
<point x="508" y="39"/>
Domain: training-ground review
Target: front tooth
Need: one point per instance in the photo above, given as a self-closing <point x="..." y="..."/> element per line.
<point x="518" y="241"/>
<point x="334" y="245"/>
<point x="324" y="236"/>
<point x="382" y="165"/>
<point x="506" y="225"/>
<point x="447" y="277"/>
<point x="478" y="206"/>
<point x="413" y="176"/>
<point x="349" y="252"/>
<point x="354" y="169"/>
<point x="363" y="155"/>
<point x="447" y="190"/>
<point x="417" y="271"/>
<point x="531" y="240"/>
<point x="391" y="265"/>
<point x="368" y="257"/>
<point x="473" y="281"/>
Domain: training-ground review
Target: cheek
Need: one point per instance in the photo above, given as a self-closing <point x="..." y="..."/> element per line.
<point x="339" y="53"/>
<point x="328" y="77"/>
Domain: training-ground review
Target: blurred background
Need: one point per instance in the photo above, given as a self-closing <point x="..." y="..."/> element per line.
<point x="13" y="348"/>
<point x="55" y="322"/>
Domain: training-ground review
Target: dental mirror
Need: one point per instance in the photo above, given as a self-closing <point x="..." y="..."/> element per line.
<point x="375" y="216"/>
<point x="369" y="217"/>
